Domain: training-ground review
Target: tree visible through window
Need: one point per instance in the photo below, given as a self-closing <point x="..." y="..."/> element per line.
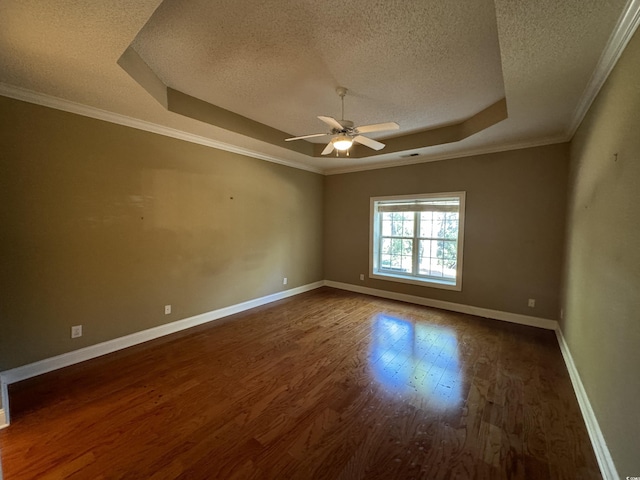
<point x="418" y="238"/>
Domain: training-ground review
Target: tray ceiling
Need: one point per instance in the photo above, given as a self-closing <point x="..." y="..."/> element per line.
<point x="423" y="64"/>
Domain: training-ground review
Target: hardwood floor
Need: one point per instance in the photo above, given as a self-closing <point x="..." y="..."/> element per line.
<point x="328" y="384"/>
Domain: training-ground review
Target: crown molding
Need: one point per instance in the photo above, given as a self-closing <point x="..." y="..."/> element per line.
<point x="624" y="30"/>
<point x="30" y="96"/>
<point x="448" y="156"/>
<point x="622" y="33"/>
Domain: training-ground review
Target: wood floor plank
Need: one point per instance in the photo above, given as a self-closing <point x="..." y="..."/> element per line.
<point x="327" y="384"/>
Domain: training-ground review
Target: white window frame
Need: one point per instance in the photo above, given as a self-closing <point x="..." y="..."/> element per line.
<point x="415" y="279"/>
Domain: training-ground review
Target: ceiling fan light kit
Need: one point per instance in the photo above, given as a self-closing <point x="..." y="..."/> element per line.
<point x="345" y="134"/>
<point x="342" y="143"/>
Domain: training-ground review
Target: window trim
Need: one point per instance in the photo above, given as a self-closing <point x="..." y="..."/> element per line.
<point x="410" y="279"/>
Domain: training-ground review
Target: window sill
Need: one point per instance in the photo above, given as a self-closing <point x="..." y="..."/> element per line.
<point x="432" y="283"/>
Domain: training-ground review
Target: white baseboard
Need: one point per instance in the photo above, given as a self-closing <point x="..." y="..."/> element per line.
<point x="605" y="462"/>
<point x="607" y="467"/>
<point x="87" y="353"/>
<point x="454" y="307"/>
<point x="4" y="395"/>
<point x="24" y="372"/>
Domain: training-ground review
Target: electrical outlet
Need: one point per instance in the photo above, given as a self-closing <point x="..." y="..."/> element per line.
<point x="284" y="281"/>
<point x="167" y="309"/>
<point x="532" y="302"/>
<point x="76" y="331"/>
<point x="362" y="276"/>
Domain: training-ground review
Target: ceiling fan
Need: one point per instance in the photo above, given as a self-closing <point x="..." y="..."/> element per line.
<point x="345" y="134"/>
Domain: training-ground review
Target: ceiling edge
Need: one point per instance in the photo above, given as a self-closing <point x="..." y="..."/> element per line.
<point x="189" y="106"/>
<point x="449" y="156"/>
<point x="57" y="103"/>
<point x="136" y="68"/>
<point x="487" y="117"/>
<point x="192" y="107"/>
<point x="625" y="28"/>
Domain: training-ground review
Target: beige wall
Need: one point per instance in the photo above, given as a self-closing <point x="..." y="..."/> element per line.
<point x="102" y="225"/>
<point x="602" y="280"/>
<point x="514" y="228"/>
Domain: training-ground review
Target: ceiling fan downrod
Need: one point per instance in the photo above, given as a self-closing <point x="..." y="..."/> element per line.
<point x="341" y="91"/>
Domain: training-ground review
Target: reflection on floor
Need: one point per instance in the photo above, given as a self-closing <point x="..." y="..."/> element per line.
<point x="327" y="384"/>
<point x="410" y="357"/>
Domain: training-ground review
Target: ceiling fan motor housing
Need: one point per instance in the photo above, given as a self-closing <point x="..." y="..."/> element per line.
<point x="347" y="126"/>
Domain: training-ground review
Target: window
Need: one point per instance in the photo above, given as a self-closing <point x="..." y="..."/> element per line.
<point x="418" y="239"/>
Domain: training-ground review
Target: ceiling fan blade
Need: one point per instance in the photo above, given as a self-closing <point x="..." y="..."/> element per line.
<point x="378" y="127"/>
<point x="307" y="136"/>
<point x="328" y="149"/>
<point x="332" y="122"/>
<point x="369" y="142"/>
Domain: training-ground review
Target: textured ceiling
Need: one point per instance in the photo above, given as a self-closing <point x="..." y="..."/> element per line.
<point x="422" y="64"/>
